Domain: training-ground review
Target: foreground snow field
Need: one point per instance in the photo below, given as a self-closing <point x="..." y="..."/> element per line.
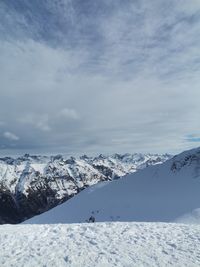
<point x="100" y="244"/>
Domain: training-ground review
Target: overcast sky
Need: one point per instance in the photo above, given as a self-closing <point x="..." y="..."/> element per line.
<point x="99" y="76"/>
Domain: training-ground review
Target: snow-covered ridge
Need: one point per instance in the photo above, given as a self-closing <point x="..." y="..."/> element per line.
<point x="100" y="244"/>
<point x="118" y="165"/>
<point x="166" y="192"/>
<point x="32" y="184"/>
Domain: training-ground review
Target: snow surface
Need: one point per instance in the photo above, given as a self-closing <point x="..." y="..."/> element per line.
<point x="190" y="218"/>
<point x="161" y="193"/>
<point x="100" y="245"/>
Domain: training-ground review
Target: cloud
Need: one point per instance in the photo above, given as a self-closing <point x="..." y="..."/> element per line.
<point x="11" y="136"/>
<point x="100" y="76"/>
<point x="68" y="114"/>
<point x="39" y="121"/>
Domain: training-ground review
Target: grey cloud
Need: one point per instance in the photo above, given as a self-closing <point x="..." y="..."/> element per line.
<point x="68" y="114"/>
<point x="11" y="136"/>
<point x="99" y="76"/>
<point x="39" y="121"/>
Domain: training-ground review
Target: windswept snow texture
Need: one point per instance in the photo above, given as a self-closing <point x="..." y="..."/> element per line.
<point x="100" y="245"/>
<point x="161" y="193"/>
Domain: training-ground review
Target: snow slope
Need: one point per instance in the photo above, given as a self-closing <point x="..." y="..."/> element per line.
<point x="100" y="245"/>
<point x="192" y="217"/>
<point x="159" y="193"/>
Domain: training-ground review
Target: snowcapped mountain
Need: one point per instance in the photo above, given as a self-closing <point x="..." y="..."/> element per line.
<point x="30" y="185"/>
<point x="159" y="193"/>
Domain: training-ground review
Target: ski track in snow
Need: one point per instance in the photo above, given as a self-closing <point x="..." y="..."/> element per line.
<point x="100" y="244"/>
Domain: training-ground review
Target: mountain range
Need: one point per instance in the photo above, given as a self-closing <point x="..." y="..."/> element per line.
<point x="167" y="192"/>
<point x="30" y="185"/>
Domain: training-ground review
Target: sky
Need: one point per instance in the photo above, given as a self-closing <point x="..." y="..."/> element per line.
<point x="103" y="76"/>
